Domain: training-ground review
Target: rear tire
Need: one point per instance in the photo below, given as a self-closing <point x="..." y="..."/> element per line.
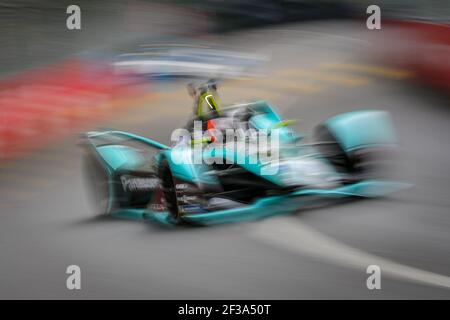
<point x="97" y="184"/>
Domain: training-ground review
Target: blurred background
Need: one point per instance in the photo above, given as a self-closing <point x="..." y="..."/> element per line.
<point x="127" y="68"/>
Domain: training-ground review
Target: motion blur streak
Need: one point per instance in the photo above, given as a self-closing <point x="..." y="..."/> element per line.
<point x="41" y="106"/>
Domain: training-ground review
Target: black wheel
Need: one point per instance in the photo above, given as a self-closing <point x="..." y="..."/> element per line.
<point x="363" y="163"/>
<point x="330" y="148"/>
<point x="169" y="192"/>
<point x="96" y="182"/>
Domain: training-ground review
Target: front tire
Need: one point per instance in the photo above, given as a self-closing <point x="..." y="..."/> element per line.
<point x="363" y="163"/>
<point x="96" y="181"/>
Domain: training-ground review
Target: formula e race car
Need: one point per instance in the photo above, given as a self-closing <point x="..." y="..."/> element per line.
<point x="212" y="180"/>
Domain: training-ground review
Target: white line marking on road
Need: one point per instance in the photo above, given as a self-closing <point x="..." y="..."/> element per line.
<point x="294" y="236"/>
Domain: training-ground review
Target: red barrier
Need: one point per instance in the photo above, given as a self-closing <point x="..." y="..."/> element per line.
<point x="422" y="47"/>
<point x="42" y="105"/>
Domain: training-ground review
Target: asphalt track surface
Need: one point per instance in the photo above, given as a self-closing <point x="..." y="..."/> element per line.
<point x="317" y="70"/>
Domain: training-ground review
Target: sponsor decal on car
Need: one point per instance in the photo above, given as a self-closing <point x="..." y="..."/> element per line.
<point x="157" y="207"/>
<point x="132" y="183"/>
<point x="192" y="208"/>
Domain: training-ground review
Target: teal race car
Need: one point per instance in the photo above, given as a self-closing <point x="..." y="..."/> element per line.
<point x="136" y="177"/>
